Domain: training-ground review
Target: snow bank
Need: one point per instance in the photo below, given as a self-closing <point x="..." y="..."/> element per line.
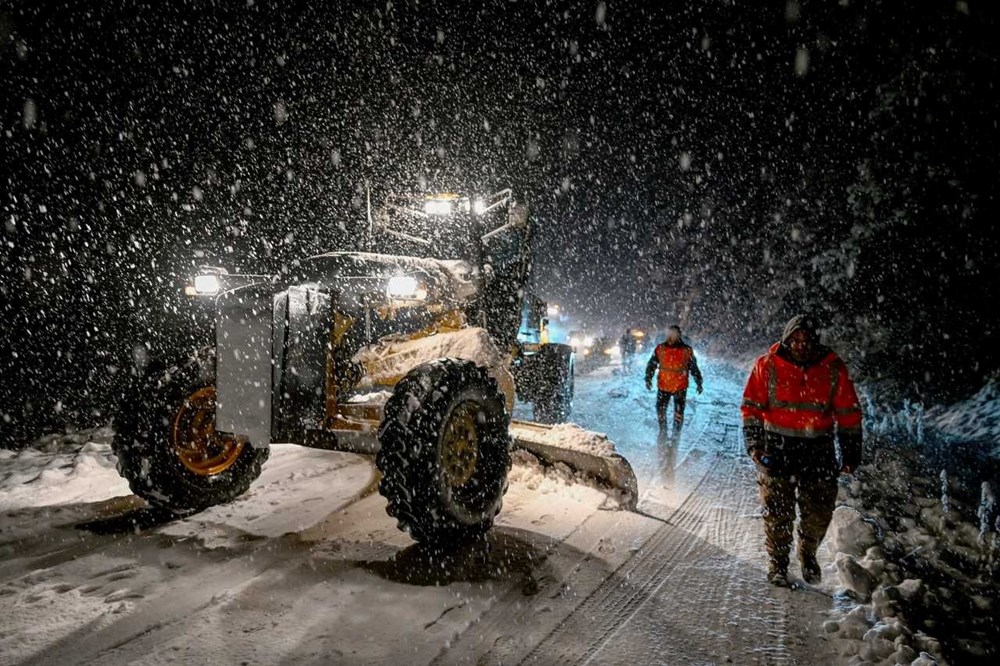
<point x="61" y="469"/>
<point x="872" y="630"/>
<point x="972" y="419"/>
<point x="909" y="552"/>
<point x="976" y="419"/>
<point x="851" y="532"/>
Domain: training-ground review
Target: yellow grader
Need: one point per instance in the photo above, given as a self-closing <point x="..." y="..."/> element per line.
<point x="413" y="358"/>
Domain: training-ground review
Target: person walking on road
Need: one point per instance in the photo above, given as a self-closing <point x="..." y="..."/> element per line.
<point x="674" y="360"/>
<point x="798" y="399"/>
<point x="627" y="347"/>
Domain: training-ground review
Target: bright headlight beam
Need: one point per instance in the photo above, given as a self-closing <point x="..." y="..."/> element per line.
<point x="403" y="287"/>
<point x="478" y="206"/>
<point x="437" y="207"/>
<point x="207" y="284"/>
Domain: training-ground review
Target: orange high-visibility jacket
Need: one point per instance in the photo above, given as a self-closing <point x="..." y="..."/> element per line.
<point x="791" y="400"/>
<point x="675" y="361"/>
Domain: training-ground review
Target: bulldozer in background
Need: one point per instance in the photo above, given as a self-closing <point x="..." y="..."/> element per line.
<point x="408" y="352"/>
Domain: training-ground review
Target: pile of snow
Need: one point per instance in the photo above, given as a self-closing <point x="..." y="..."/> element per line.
<point x="851" y="532"/>
<point x="61" y="469"/>
<point x="973" y="419"/>
<point x="909" y="551"/>
<point x="558" y="478"/>
<point x="976" y="419"/>
<point x="573" y="437"/>
<point x="373" y="398"/>
<point x="871" y="630"/>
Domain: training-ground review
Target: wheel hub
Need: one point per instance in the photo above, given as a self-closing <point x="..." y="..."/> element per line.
<point x="198" y="446"/>
<point x="460" y="445"/>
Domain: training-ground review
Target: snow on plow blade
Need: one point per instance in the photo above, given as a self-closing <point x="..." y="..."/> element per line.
<point x="585" y="452"/>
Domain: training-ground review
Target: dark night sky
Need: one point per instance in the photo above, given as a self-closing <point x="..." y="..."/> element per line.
<point x="721" y="163"/>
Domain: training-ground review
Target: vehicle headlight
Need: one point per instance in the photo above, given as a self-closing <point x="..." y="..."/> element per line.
<point x="404" y="287"/>
<point x="438" y="207"/>
<point x="207" y="285"/>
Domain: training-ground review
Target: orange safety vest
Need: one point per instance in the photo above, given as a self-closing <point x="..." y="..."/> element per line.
<point x="790" y="400"/>
<point x="675" y="361"/>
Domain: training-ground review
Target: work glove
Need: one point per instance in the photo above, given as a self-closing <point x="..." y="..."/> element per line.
<point x="850" y="451"/>
<point x="699" y="389"/>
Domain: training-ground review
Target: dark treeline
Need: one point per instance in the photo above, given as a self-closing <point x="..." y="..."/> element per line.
<point x="720" y="163"/>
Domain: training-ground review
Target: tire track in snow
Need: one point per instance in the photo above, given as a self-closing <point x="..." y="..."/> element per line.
<point x="514" y="625"/>
<point x="690" y="595"/>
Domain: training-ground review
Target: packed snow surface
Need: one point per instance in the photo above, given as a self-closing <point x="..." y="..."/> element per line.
<point x="308" y="568"/>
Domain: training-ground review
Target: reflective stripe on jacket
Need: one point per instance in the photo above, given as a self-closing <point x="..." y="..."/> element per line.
<point x="795" y="401"/>
<point x="674" y="363"/>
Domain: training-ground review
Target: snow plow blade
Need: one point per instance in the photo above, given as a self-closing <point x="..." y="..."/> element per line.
<point x="586" y="452"/>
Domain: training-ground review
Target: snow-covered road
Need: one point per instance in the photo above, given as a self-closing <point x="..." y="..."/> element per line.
<point x="308" y="568"/>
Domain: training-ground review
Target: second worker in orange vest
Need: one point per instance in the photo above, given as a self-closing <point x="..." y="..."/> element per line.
<point x="675" y="360"/>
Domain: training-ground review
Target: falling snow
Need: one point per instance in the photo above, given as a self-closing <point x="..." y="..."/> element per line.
<point x="720" y="166"/>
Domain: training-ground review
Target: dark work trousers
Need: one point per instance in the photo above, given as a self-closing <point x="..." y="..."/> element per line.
<point x="663" y="400"/>
<point x="802" y="473"/>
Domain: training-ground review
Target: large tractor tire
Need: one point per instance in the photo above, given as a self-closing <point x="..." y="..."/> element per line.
<point x="445" y="452"/>
<point x="554" y="400"/>
<point x="167" y="446"/>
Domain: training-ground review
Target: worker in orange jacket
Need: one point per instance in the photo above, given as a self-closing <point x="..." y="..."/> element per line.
<point x="799" y="397"/>
<point x="674" y="360"/>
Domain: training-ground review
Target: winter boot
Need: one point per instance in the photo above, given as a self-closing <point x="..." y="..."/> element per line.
<point x="777" y="575"/>
<point x="811" y="573"/>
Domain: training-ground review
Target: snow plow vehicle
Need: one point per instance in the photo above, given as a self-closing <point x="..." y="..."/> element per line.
<point x="394" y="352"/>
<point x="543" y="370"/>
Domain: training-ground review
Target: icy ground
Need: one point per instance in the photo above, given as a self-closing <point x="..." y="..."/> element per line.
<point x="308" y="568"/>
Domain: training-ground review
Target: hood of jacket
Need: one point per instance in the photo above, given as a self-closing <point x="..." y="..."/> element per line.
<point x="801" y="322"/>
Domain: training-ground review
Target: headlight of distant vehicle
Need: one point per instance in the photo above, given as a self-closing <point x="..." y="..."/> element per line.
<point x="405" y="288"/>
<point x="207" y="282"/>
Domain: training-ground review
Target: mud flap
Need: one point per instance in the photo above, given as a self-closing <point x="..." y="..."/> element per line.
<point x="243" y="334"/>
<point x="610" y="469"/>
